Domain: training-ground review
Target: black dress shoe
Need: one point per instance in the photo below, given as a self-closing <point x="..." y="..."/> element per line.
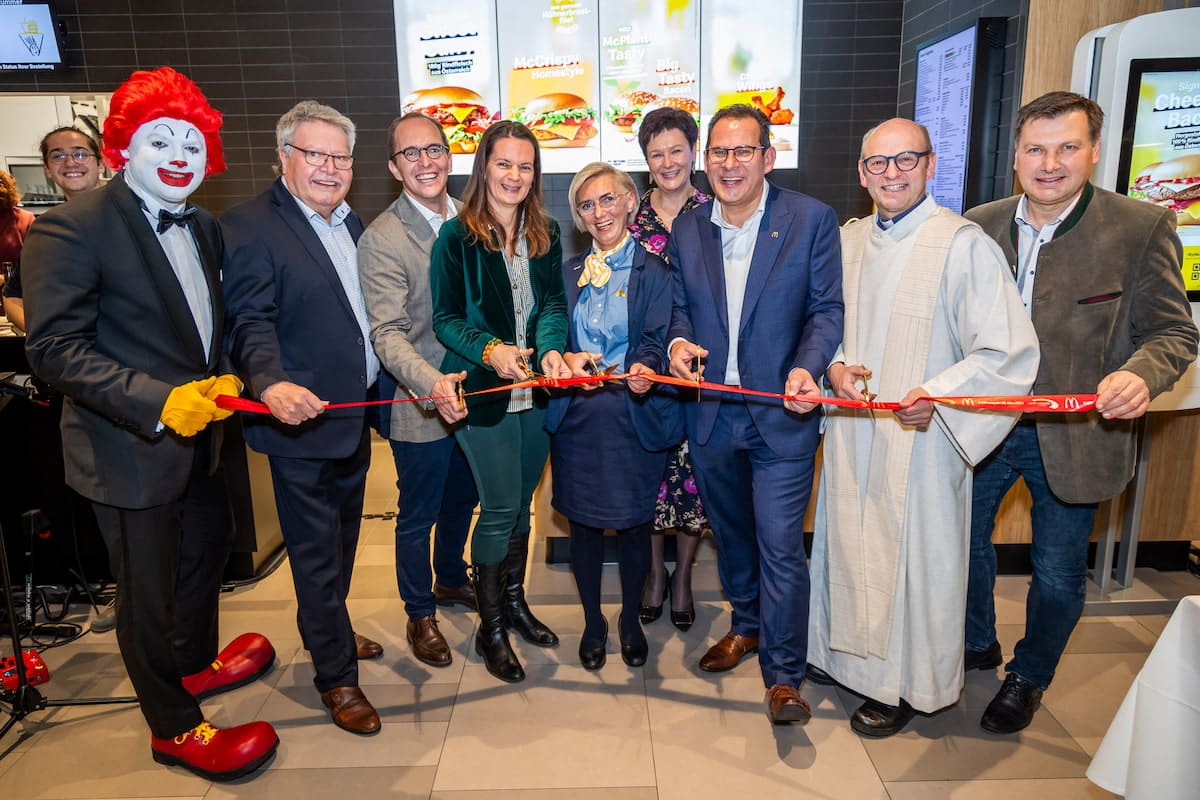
<point x="983" y="659"/>
<point x="1012" y="708"/>
<point x="634" y="648"/>
<point x="818" y="676"/>
<point x="647" y="613"/>
<point x="878" y="720"/>
<point x="592" y="654"/>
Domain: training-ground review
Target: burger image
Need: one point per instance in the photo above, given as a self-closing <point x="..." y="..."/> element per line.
<point x="1173" y="184"/>
<point x="682" y="103"/>
<point x="625" y="111"/>
<point x="459" y="111"/>
<point x="559" y="119"/>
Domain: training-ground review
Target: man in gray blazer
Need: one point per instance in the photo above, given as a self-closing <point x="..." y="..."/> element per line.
<point x="1101" y="277"/>
<point x="433" y="476"/>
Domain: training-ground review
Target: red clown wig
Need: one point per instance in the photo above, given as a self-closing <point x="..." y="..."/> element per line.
<point x="150" y="94"/>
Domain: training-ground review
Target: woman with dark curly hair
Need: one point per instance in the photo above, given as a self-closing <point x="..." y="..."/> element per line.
<point x="14" y="224"/>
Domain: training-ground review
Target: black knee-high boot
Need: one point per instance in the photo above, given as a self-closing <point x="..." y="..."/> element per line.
<point x="491" y="642"/>
<point x="517" y="616"/>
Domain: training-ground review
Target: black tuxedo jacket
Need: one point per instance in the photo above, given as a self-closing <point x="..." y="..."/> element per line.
<point x="110" y="328"/>
<point x="290" y="320"/>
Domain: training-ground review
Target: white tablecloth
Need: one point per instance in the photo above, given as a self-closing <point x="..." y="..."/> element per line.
<point x="1152" y="748"/>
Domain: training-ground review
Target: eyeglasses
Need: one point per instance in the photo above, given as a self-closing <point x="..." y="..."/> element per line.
<point x="605" y="202"/>
<point x="905" y="162"/>
<point x="78" y="156"/>
<point x="315" y="158"/>
<point x="742" y="153"/>
<point x="434" y="151"/>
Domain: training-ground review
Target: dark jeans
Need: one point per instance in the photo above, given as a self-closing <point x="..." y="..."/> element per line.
<point x="1060" y="545"/>
<point x="435" y="486"/>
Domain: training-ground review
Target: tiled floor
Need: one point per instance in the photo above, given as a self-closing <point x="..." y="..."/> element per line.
<point x="663" y="732"/>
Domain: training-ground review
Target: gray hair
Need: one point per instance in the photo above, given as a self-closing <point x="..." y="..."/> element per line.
<point x="595" y="170"/>
<point x="862" y="150"/>
<point x="311" y="111"/>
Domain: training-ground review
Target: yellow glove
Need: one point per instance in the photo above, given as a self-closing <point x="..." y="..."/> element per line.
<point x="224" y="384"/>
<point x="188" y="410"/>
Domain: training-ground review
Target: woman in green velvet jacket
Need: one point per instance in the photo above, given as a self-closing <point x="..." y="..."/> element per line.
<point x="498" y="307"/>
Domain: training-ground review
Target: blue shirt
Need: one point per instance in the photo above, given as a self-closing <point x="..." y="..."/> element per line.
<point x="602" y="315"/>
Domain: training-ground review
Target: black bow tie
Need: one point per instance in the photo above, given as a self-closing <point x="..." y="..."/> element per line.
<point x="166" y="219"/>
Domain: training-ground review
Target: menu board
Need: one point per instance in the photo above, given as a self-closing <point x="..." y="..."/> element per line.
<point x="751" y="56"/>
<point x="548" y="66"/>
<point x="943" y="105"/>
<point x="448" y="69"/>
<point x="1160" y="158"/>
<point x="649" y="59"/>
<point x="582" y="74"/>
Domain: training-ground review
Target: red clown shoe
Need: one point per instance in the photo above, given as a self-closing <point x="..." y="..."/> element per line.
<point x="216" y="754"/>
<point x="245" y="659"/>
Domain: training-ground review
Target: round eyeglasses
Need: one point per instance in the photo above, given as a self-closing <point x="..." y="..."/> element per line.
<point x="605" y="202"/>
<point x="905" y="162"/>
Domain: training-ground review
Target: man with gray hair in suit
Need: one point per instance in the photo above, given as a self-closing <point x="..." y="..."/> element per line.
<point x="434" y="479"/>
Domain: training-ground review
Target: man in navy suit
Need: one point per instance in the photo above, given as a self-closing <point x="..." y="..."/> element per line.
<point x="757" y="303"/>
<point x="298" y="334"/>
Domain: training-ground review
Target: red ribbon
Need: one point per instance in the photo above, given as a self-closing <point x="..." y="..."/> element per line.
<point x="1027" y="404"/>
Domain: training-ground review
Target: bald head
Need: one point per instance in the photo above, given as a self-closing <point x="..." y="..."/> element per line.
<point x="901" y="160"/>
<point x="894" y="124"/>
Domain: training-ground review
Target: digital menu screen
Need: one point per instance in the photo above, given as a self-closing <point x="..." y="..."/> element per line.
<point x="28" y="40"/>
<point x="1160" y="149"/>
<point x="582" y="74"/>
<point x="945" y="71"/>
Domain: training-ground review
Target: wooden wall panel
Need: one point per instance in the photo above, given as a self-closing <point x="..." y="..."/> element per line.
<point x="1055" y="26"/>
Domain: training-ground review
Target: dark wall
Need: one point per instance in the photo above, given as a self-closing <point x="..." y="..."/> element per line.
<point x="256" y="58"/>
<point x="925" y="20"/>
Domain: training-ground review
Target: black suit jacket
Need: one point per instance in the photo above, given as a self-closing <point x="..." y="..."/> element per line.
<point x="110" y="328"/>
<point x="290" y="320"/>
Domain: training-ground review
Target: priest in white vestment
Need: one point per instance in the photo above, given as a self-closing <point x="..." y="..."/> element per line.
<point x="931" y="310"/>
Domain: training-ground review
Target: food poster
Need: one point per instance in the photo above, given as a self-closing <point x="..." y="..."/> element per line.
<point x="1164" y="163"/>
<point x="649" y="58"/>
<point x="548" y="54"/>
<point x="751" y="55"/>
<point x="448" y="69"/>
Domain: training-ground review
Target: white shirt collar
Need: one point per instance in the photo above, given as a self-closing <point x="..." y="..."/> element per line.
<point x="337" y="217"/>
<point x="718" y="218"/>
<point x="1022" y="214"/>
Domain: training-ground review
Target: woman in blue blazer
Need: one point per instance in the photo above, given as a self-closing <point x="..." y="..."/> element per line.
<point x="619" y="308"/>
<point x="496" y="280"/>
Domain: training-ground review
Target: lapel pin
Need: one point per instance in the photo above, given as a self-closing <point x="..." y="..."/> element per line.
<point x="774" y="234"/>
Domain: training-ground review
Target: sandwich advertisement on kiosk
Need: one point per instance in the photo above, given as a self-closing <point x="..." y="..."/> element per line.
<point x="548" y="59"/>
<point x="448" y="70"/>
<point x="1160" y="153"/>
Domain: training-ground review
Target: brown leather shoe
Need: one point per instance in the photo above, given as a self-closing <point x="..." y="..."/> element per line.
<point x="351" y="710"/>
<point x="427" y="642"/>
<point x="784" y="705"/>
<point x="458" y="596"/>
<point x="725" y="654"/>
<point x="367" y="648"/>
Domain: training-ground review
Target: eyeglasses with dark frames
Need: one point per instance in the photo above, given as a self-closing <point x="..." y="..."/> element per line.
<point x="905" y="162"/>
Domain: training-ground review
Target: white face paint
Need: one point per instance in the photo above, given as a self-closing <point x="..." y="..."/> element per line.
<point x="166" y="158"/>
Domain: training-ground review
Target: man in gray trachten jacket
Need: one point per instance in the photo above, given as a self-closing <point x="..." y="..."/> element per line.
<point x="1100" y="276"/>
